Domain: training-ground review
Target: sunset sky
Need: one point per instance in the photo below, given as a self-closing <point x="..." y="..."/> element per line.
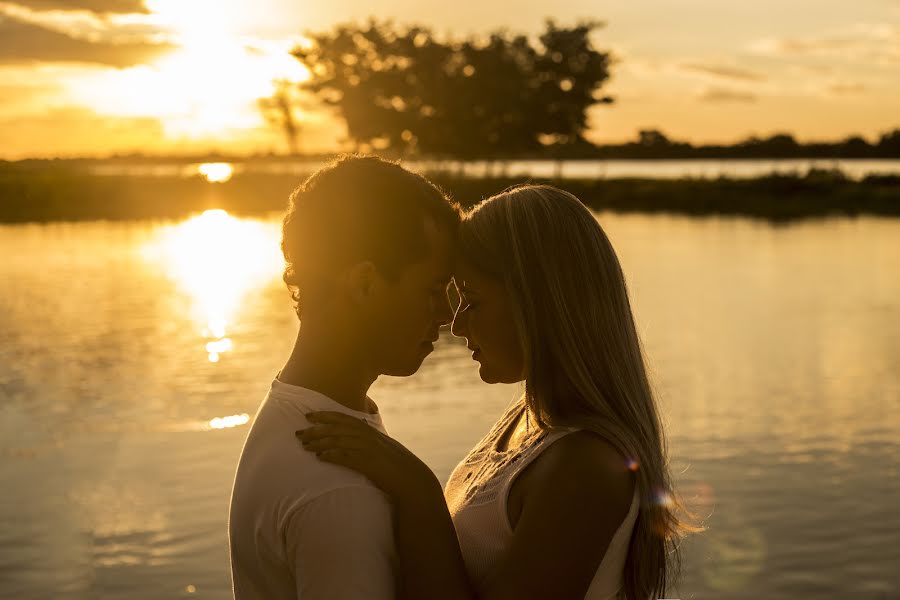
<point x="96" y="77"/>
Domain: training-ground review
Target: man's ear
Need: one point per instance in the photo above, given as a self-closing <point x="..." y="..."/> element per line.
<point x="362" y="280"/>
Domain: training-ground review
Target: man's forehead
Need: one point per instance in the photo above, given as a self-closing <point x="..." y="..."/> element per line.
<point x="462" y="268"/>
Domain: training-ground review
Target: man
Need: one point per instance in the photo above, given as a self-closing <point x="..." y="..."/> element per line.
<point x="368" y="248"/>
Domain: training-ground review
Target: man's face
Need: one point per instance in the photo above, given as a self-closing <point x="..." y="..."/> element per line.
<point x="407" y="313"/>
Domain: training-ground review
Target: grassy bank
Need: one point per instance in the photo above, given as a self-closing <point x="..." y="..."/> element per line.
<point x="65" y="194"/>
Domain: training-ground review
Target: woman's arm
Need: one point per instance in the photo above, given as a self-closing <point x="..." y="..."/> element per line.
<point x="431" y="564"/>
<point x="576" y="495"/>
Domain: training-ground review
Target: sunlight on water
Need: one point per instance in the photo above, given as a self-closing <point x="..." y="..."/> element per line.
<point x="774" y="351"/>
<point x="230" y="421"/>
<point x="216" y="172"/>
<point x="216" y="259"/>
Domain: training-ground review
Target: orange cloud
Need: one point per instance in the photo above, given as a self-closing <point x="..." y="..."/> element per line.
<point x="723" y="71"/>
<point x="24" y="42"/>
<point x="97" y="6"/>
<point x="719" y="94"/>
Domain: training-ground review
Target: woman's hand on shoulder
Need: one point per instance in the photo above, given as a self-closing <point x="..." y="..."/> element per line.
<point x="344" y="440"/>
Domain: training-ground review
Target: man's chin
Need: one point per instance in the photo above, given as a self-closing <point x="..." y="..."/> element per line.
<point x="406" y="370"/>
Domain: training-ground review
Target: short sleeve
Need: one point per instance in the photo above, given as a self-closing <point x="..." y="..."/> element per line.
<point x="341" y="545"/>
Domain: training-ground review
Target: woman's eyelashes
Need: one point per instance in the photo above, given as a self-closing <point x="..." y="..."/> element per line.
<point x="467" y="303"/>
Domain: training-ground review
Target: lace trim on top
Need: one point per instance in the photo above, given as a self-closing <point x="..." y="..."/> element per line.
<point x="484" y="464"/>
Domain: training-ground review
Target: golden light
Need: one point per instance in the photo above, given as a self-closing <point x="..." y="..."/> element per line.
<point x="230" y="421"/>
<point x="216" y="259"/>
<point x="210" y="86"/>
<point x="216" y="172"/>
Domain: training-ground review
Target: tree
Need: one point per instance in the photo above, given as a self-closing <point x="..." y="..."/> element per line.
<point x="404" y="91"/>
<point x="279" y="111"/>
<point x="569" y="74"/>
<point x="653" y="138"/>
<point x="889" y="144"/>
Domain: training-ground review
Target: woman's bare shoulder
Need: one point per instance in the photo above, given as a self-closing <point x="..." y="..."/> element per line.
<point x="585" y="464"/>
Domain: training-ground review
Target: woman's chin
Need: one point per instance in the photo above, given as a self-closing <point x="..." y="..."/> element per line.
<point x="489" y="375"/>
<point x="486" y="375"/>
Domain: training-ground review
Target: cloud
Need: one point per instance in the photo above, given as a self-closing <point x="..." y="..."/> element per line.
<point x="878" y="43"/>
<point x="722" y="71"/>
<point x="91" y="26"/>
<point x="719" y="94"/>
<point x="24" y="42"/>
<point x="846" y="88"/>
<point x="96" y="6"/>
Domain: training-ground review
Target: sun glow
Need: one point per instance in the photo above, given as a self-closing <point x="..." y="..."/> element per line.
<point x="210" y="86"/>
<point x="216" y="172"/>
<point x="216" y="259"/>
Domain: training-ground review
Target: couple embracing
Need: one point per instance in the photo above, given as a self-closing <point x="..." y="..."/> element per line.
<point x="567" y="496"/>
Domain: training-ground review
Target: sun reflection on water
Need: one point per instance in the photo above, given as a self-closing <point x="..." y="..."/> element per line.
<point x="216" y="259"/>
<point x="216" y="172"/>
<point x="230" y="421"/>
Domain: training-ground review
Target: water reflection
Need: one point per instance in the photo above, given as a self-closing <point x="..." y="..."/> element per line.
<point x="216" y="259"/>
<point x="775" y="351"/>
<point x="230" y="421"/>
<point x="216" y="172"/>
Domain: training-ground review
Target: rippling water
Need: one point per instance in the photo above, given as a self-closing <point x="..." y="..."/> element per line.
<point x="133" y="354"/>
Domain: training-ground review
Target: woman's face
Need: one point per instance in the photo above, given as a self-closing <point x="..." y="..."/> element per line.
<point x="484" y="318"/>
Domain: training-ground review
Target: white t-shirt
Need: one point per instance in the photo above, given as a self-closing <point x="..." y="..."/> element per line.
<point x="299" y="527"/>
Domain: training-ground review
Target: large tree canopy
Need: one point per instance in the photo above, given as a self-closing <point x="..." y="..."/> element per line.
<point x="403" y="90"/>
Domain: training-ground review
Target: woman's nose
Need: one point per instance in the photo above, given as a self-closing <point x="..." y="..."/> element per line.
<point x="458" y="327"/>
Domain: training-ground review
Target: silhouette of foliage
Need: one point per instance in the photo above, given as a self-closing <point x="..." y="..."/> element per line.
<point x="42" y="191"/>
<point x="279" y="110"/>
<point x="654" y="144"/>
<point x="405" y="91"/>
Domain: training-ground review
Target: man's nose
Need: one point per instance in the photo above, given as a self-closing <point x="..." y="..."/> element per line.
<point x="444" y="312"/>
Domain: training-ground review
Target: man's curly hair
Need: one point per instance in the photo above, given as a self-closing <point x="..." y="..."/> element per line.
<point x="360" y="208"/>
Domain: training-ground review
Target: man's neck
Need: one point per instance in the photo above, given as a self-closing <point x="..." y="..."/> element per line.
<point x="321" y="364"/>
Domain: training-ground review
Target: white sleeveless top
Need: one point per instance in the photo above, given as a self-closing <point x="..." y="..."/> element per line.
<point x="477" y="494"/>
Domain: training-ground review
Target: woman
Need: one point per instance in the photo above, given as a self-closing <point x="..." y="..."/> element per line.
<point x="569" y="494"/>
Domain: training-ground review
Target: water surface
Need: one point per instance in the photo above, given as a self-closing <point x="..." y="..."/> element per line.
<point x="132" y="356"/>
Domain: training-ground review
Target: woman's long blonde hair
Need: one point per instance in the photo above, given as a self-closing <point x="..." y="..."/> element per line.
<point x="583" y="358"/>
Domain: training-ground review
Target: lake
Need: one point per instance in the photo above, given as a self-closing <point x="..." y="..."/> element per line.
<point x="134" y="354"/>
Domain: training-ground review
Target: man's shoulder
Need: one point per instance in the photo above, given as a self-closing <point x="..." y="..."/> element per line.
<point x="275" y="470"/>
<point x="346" y="516"/>
<point x="352" y="498"/>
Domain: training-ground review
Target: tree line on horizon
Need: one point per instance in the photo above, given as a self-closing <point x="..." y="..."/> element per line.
<point x="652" y="143"/>
<point x="402" y="91"/>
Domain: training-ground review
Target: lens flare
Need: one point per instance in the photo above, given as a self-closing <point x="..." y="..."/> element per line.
<point x="663" y="498"/>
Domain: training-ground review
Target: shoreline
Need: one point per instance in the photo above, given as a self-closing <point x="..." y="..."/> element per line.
<point x="63" y="194"/>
